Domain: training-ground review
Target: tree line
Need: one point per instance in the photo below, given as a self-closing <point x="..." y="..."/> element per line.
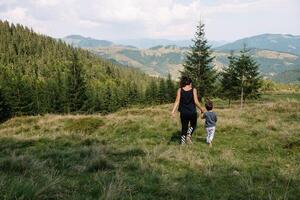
<point x="39" y="74"/>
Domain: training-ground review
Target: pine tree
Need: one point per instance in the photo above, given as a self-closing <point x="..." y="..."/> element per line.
<point x="162" y="91"/>
<point x="170" y="89"/>
<point x="151" y="92"/>
<point x="5" y="110"/>
<point x="198" y="64"/>
<point x="248" y="76"/>
<point x="58" y="93"/>
<point x="230" y="89"/>
<point x="241" y="79"/>
<point x="133" y="95"/>
<point x="76" y="85"/>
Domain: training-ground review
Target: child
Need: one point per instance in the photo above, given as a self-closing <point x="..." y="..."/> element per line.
<point x="210" y="122"/>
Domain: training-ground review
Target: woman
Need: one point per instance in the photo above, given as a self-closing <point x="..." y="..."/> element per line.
<point x="187" y="100"/>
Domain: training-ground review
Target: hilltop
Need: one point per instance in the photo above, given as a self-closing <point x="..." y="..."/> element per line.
<point x="275" y="42"/>
<point x="86" y="42"/>
<point x="134" y="154"/>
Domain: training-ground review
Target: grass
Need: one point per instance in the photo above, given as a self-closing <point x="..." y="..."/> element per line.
<point x="134" y="154"/>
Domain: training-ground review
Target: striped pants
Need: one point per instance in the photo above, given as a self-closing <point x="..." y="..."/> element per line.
<point x="187" y="119"/>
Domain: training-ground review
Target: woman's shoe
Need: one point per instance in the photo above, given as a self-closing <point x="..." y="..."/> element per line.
<point x="189" y="139"/>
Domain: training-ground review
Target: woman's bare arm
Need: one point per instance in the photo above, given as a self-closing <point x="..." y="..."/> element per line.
<point x="176" y="102"/>
<point x="197" y="103"/>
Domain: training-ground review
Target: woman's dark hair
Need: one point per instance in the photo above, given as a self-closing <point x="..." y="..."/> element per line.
<point x="208" y="104"/>
<point x="185" y="81"/>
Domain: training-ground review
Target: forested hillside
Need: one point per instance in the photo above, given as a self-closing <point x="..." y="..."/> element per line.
<point x="39" y="74"/>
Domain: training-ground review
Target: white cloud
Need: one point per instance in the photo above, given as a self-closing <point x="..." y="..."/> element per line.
<point x="114" y="19"/>
<point x="89" y="23"/>
<point x="46" y="2"/>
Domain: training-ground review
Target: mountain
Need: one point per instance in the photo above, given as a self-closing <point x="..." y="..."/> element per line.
<point x="275" y="53"/>
<point x="86" y="42"/>
<point x="275" y="42"/>
<point x="291" y="76"/>
<point x="161" y="60"/>
<point x="148" y="43"/>
<point x="156" y="61"/>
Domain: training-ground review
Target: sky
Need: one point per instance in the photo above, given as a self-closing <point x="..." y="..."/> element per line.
<point x="225" y="20"/>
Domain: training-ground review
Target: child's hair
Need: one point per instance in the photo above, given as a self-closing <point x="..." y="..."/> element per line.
<point x="208" y="104"/>
<point x="185" y="81"/>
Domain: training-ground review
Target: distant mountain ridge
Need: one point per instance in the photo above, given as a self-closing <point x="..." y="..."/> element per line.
<point x="161" y="60"/>
<point x="275" y="42"/>
<point x="277" y="55"/>
<point x="86" y="42"/>
<point x="147" y="43"/>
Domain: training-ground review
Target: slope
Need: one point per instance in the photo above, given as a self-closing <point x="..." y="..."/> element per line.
<point x="134" y="154"/>
<point x="35" y="72"/>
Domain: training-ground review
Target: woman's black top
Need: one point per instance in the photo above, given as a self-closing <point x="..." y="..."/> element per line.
<point x="187" y="103"/>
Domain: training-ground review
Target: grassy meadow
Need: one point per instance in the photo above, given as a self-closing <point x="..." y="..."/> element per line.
<point x="134" y="154"/>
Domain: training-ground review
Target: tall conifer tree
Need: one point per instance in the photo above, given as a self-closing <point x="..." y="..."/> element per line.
<point x="230" y="89"/>
<point x="76" y="85"/>
<point x="242" y="78"/>
<point x="198" y="64"/>
<point x="5" y="110"/>
<point x="248" y="76"/>
<point x="170" y="89"/>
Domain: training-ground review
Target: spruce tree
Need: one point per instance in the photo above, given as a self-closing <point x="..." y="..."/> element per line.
<point x="198" y="64"/>
<point x="242" y="78"/>
<point x="151" y="93"/>
<point x="248" y="76"/>
<point x="58" y="94"/>
<point x="230" y="89"/>
<point x="5" y="110"/>
<point x="76" y="85"/>
<point x="133" y="95"/>
<point x="170" y="89"/>
<point x="162" y="91"/>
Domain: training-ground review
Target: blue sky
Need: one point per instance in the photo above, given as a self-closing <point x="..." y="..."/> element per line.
<point x="173" y="19"/>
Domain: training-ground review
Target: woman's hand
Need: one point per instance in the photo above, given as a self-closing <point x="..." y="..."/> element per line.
<point x="173" y="114"/>
<point x="176" y="104"/>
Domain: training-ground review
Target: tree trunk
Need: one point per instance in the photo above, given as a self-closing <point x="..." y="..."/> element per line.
<point x="242" y="92"/>
<point x="242" y="96"/>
